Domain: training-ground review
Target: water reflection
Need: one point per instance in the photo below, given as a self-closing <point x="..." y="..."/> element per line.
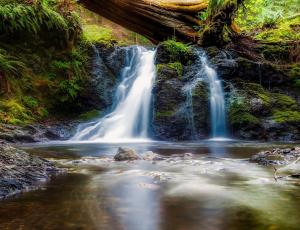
<point x="203" y="191"/>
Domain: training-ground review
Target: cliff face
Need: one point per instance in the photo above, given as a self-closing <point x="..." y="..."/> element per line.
<point x="262" y="98"/>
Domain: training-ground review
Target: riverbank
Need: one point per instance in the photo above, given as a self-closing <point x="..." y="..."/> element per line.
<point x="20" y="171"/>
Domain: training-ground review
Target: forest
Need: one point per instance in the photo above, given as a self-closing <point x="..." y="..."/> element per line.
<point x="149" y="114"/>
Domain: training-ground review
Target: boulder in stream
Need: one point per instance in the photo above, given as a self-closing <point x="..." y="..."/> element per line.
<point x="126" y="154"/>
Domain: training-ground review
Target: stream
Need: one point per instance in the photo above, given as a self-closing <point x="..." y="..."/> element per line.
<point x="197" y="185"/>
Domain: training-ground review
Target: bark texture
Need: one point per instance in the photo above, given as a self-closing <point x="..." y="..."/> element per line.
<point x="159" y="20"/>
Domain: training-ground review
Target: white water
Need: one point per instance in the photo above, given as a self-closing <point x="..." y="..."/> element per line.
<point x="129" y="120"/>
<point x="217" y="100"/>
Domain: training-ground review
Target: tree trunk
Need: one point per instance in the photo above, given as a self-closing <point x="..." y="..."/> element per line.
<point x="154" y="19"/>
<point x="159" y="20"/>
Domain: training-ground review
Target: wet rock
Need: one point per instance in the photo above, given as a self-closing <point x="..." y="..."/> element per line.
<point x="151" y="156"/>
<point x="60" y="130"/>
<point x="174" y="113"/>
<point x="20" y="171"/>
<point x="126" y="154"/>
<point x="276" y="156"/>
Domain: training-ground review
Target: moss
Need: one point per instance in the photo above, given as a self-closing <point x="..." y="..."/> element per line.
<point x="166" y="113"/>
<point x="294" y="71"/>
<point x="177" y="50"/>
<point x="283" y="102"/>
<point x="239" y="114"/>
<point x="95" y="34"/>
<point x="256" y="90"/>
<point x="285" y="30"/>
<point x="90" y="115"/>
<point x="13" y="112"/>
<point x="177" y="66"/>
<point x="286" y="116"/>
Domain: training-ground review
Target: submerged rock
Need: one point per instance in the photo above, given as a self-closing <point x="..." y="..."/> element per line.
<point x="126" y="154"/>
<point x="20" y="171"/>
<point x="276" y="156"/>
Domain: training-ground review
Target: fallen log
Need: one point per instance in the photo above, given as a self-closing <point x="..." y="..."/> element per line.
<point x="159" y="20"/>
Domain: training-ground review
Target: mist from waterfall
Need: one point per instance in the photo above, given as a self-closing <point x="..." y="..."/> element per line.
<point x="130" y="116"/>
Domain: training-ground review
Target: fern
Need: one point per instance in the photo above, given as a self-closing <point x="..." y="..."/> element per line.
<point x="33" y="19"/>
<point x="10" y="65"/>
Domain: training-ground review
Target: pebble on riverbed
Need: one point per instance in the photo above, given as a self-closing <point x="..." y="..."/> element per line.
<point x="21" y="171"/>
<point x="276" y="156"/>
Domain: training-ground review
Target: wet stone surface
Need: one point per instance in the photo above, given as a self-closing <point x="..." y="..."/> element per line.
<point x="277" y="156"/>
<point x="20" y="171"/>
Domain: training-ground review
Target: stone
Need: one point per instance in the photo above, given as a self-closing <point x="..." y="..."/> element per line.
<point x="276" y="156"/>
<point x="20" y="171"/>
<point x="126" y="154"/>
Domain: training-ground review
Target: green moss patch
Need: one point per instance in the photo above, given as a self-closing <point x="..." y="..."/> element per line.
<point x="239" y="114"/>
<point x="283" y="102"/>
<point x="178" y="51"/>
<point x="286" y="116"/>
<point x="167" y="113"/>
<point x="90" y="115"/>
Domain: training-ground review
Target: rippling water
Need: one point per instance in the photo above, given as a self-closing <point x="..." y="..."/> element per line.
<point x="215" y="188"/>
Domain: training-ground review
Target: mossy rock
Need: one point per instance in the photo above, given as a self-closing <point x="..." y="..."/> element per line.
<point x="240" y="116"/>
<point x="171" y="51"/>
<point x="90" y="115"/>
<point x="283" y="102"/>
<point x="177" y="66"/>
<point x="286" y="116"/>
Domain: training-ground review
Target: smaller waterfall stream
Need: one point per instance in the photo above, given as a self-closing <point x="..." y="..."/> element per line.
<point x="217" y="100"/>
<point x="130" y="116"/>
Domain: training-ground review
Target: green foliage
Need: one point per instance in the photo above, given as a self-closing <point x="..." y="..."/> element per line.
<point x="173" y="65"/>
<point x="270" y="20"/>
<point x="95" y="33"/>
<point x="286" y="116"/>
<point x="258" y="13"/>
<point x="30" y="102"/>
<point x="176" y="50"/>
<point x="71" y="88"/>
<point x="13" y="112"/>
<point x="178" y="67"/>
<point x="284" y="30"/>
<point x="10" y="65"/>
<point x="30" y="18"/>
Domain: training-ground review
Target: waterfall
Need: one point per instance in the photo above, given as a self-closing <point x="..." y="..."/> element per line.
<point x="217" y="99"/>
<point x="130" y="115"/>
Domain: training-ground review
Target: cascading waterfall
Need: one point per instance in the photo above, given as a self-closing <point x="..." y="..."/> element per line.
<point x="129" y="119"/>
<point x="217" y="102"/>
<point x="217" y="99"/>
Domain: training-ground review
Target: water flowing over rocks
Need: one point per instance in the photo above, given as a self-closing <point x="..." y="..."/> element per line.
<point x="261" y="101"/>
<point x="20" y="171"/>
